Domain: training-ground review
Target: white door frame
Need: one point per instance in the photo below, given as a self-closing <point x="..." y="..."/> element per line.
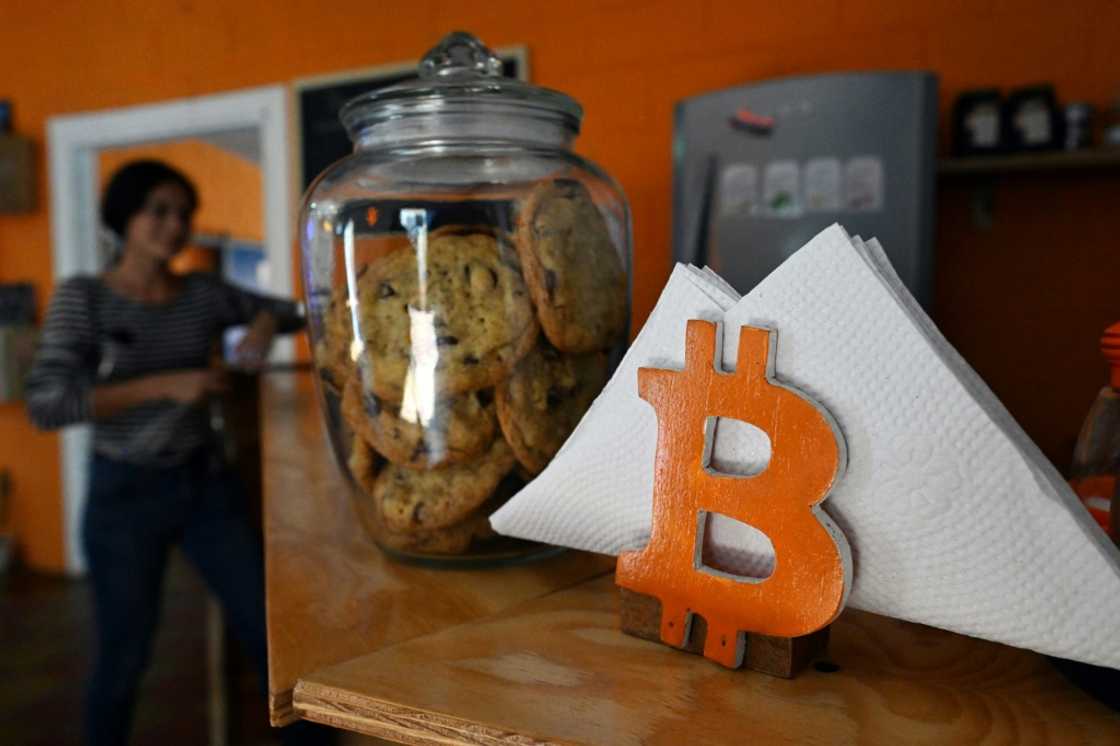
<point x="73" y="142"/>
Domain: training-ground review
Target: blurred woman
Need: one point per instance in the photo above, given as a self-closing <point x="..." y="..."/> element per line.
<point x="129" y="351"/>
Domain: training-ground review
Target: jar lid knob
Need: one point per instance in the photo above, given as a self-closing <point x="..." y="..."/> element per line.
<point x="460" y="54"/>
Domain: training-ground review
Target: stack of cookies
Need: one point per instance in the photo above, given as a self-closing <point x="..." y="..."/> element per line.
<point x="474" y="359"/>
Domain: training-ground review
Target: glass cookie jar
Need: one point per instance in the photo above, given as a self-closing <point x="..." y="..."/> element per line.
<point x="467" y="280"/>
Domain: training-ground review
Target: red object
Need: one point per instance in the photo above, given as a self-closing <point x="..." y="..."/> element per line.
<point x="1110" y="348"/>
<point x="1098" y="446"/>
<point x="752" y="120"/>
<point x="1096" y="495"/>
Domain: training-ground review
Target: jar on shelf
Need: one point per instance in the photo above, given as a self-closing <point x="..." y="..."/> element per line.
<point x="468" y="286"/>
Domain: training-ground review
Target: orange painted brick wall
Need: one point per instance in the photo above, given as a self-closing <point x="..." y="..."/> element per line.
<point x="1024" y="301"/>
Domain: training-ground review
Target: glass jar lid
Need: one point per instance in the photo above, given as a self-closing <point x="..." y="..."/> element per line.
<point x="460" y="90"/>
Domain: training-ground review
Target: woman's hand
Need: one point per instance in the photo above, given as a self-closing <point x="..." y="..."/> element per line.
<point x="189" y="386"/>
<point x="181" y="386"/>
<point x="252" y="350"/>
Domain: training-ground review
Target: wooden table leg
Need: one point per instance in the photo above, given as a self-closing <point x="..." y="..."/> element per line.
<point x="217" y="692"/>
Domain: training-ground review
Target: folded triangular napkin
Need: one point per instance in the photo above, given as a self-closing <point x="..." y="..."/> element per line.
<point x="954" y="517"/>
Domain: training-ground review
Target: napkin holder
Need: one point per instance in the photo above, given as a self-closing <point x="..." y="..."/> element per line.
<point x="775" y="625"/>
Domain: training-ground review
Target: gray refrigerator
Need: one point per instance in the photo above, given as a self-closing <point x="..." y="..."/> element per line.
<point x="760" y="169"/>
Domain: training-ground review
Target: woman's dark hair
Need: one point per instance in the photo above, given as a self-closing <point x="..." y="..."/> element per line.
<point x="129" y="187"/>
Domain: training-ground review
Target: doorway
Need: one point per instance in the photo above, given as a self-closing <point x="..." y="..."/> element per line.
<point x="251" y="127"/>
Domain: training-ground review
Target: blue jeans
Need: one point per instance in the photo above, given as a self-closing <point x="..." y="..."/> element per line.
<point x="134" y="516"/>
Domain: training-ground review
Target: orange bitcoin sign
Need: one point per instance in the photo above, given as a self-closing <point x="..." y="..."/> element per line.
<point x="812" y="568"/>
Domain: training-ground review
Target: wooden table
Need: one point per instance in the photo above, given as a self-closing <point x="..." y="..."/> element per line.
<point x="533" y="654"/>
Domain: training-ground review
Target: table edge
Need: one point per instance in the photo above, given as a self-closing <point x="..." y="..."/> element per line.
<point x="284" y="707"/>
<point x="370" y="716"/>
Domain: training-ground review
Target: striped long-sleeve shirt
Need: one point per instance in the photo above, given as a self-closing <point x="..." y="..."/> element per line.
<point x="92" y="336"/>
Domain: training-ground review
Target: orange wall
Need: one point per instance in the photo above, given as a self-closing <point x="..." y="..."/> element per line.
<point x="229" y="186"/>
<point x="229" y="189"/>
<point x="1024" y="301"/>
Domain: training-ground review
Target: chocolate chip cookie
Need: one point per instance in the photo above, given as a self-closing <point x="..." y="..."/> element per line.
<point x="459" y="428"/>
<point x="572" y="267"/>
<point x="363" y="464"/>
<point x="451" y="540"/>
<point x="544" y="399"/>
<point x="332" y="352"/>
<point x="449" y="316"/>
<point x="413" y="500"/>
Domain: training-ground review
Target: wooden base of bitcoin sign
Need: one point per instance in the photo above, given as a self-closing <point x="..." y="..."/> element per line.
<point x="807" y="588"/>
<point x="777" y="656"/>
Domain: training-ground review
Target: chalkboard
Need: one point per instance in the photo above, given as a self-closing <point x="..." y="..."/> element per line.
<point x="323" y="139"/>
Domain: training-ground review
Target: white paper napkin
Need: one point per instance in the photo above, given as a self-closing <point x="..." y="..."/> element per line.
<point x="954" y="516"/>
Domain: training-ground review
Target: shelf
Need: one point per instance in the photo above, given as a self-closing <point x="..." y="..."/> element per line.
<point x="994" y="165"/>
